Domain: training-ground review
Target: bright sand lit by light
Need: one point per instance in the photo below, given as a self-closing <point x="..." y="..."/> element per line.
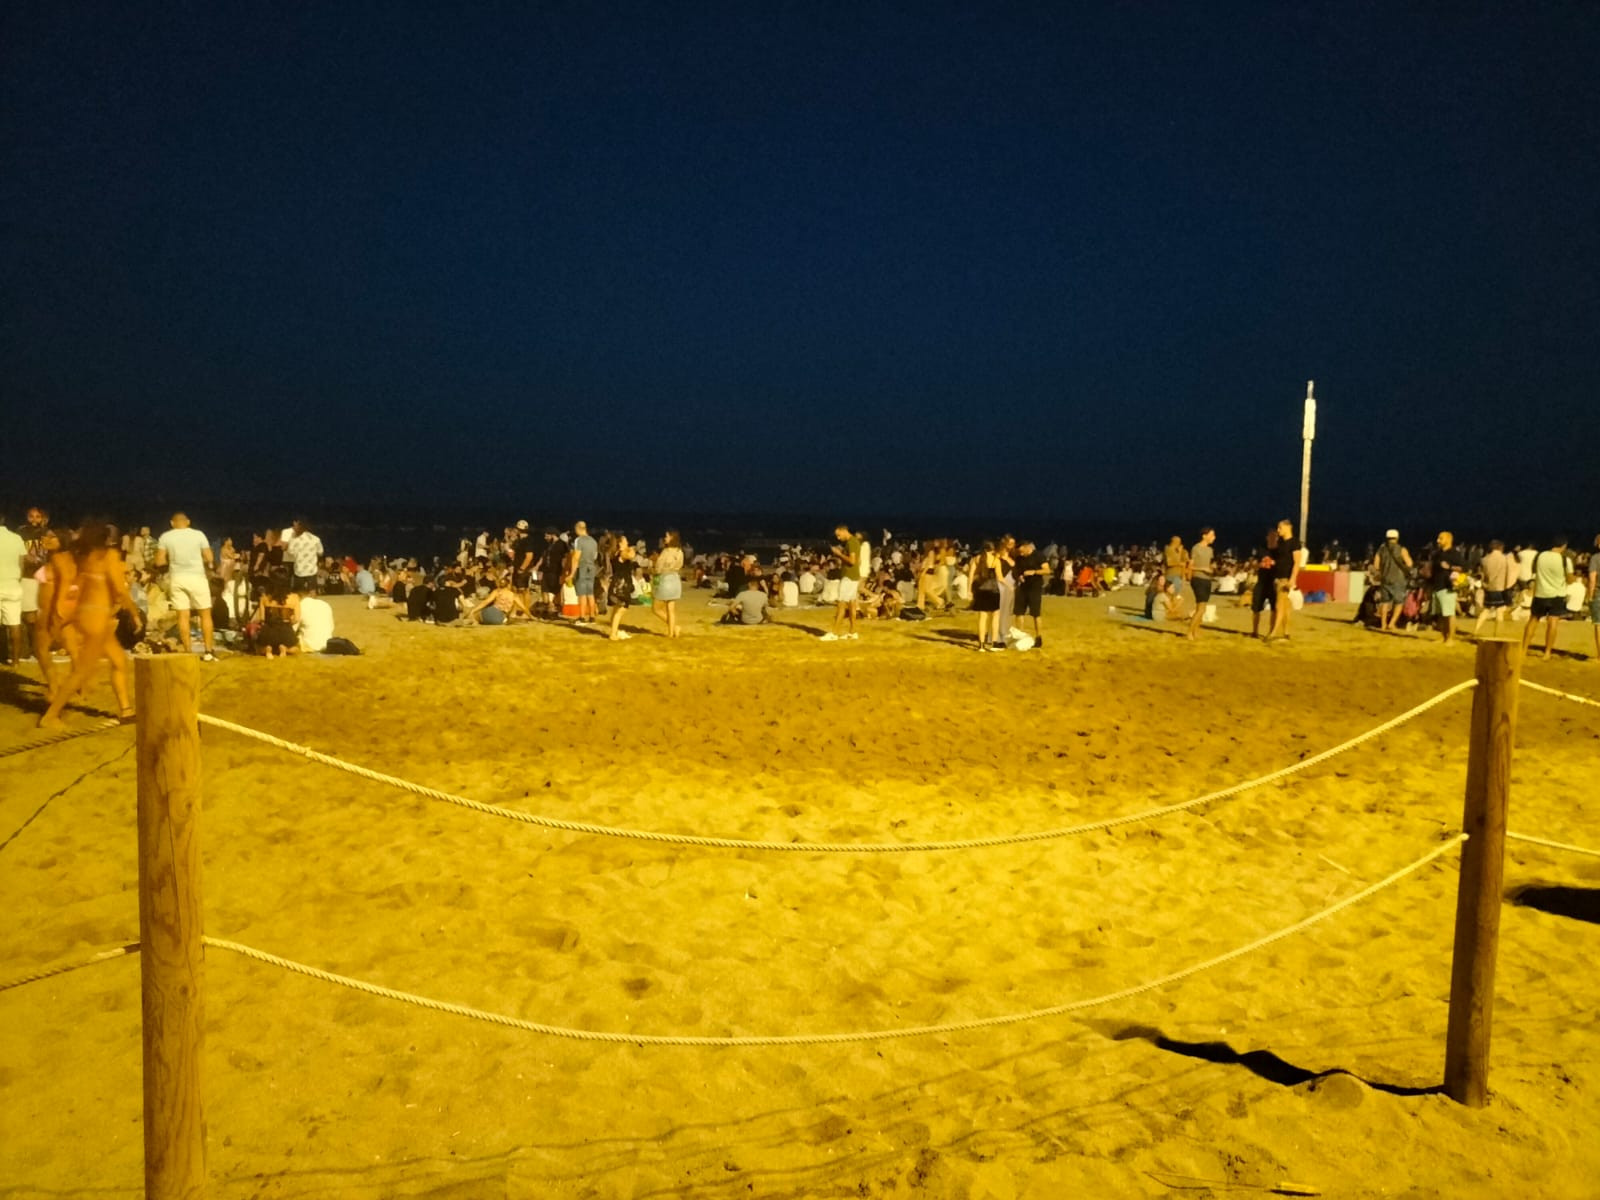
<point x="312" y="1090"/>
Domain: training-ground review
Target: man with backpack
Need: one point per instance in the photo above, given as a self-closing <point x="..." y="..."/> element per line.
<point x="1391" y="574"/>
<point x="1552" y="572"/>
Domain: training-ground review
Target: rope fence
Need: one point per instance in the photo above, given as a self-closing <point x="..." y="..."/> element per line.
<point x="819" y="1039"/>
<point x="1557" y="692"/>
<point x="60" y="735"/>
<point x="1538" y="841"/>
<point x="722" y="843"/>
<point x="51" y="972"/>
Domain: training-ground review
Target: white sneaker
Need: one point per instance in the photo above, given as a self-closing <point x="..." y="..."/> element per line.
<point x="623" y="635"/>
<point x="830" y="637"/>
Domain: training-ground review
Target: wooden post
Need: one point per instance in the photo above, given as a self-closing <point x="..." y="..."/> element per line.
<point x="171" y="961"/>
<point x="1483" y="860"/>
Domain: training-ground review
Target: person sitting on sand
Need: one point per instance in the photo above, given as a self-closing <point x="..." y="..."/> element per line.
<point x="89" y="602"/>
<point x="751" y="606"/>
<point x="499" y="605"/>
<point x="277" y="613"/>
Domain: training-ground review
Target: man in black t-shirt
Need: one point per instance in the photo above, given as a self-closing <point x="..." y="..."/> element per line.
<point x="1286" y="563"/>
<point x="1443" y="563"/>
<point x="1030" y="570"/>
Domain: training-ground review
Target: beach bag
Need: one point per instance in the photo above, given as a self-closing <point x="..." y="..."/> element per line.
<point x="912" y="613"/>
<point x="1210" y="617"/>
<point x="339" y="645"/>
<point x="1020" y="640"/>
<point x="1297" y="599"/>
<point x="1412" y="605"/>
<point x="569" y="600"/>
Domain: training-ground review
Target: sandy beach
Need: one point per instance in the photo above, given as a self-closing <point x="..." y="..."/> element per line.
<point x="313" y="1090"/>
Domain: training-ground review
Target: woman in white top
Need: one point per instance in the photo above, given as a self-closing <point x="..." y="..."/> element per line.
<point x="668" y="583"/>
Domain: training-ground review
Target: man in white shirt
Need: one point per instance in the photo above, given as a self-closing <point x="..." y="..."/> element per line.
<point x="316" y="625"/>
<point x="304" y="551"/>
<point x="12" y="552"/>
<point x="186" y="554"/>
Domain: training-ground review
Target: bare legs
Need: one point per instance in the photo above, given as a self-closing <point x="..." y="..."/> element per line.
<point x="667" y="610"/>
<point x="96" y="644"/>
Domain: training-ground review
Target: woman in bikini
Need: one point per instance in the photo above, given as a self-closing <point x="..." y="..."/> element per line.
<point x="88" y="603"/>
<point x="49" y="627"/>
<point x="276" y="617"/>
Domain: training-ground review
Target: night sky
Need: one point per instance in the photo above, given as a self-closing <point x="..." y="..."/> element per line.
<point x="1060" y="260"/>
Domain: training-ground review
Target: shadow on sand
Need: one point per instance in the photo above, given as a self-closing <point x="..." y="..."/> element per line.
<point x="1578" y="903"/>
<point x="1262" y="1063"/>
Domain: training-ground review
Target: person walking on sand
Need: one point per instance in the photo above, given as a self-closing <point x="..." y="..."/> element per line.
<point x="1499" y="586"/>
<point x="1391" y="572"/>
<point x="1552" y="572"/>
<point x="668" y="587"/>
<point x="1287" y="560"/>
<point x="1443" y="564"/>
<point x="1201" y="557"/>
<point x="186" y="554"/>
<point x="855" y="560"/>
<point x="96" y="594"/>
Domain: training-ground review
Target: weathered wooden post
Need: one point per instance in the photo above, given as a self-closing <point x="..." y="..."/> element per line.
<point x="1483" y="860"/>
<point x="171" y="961"/>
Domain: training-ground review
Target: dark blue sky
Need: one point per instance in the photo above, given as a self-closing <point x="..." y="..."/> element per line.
<point x="1053" y="260"/>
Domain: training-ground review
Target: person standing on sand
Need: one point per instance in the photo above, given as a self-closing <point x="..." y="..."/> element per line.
<point x="1499" y="584"/>
<point x="97" y="592"/>
<point x="585" y="556"/>
<point x="1443" y="564"/>
<point x="304" y="551"/>
<point x="624" y="562"/>
<point x="855" y="559"/>
<point x="1391" y="571"/>
<point x="1200" y="559"/>
<point x="13" y="554"/>
<point x="1286" y="563"/>
<point x="1552" y="571"/>
<point x="1594" y="594"/>
<point x="668" y="588"/>
<point x="1176" y="560"/>
<point x="186" y="554"/>
<point x="1264" y="594"/>
<point x="1031" y="568"/>
<point x="1008" y="588"/>
<point x="983" y="578"/>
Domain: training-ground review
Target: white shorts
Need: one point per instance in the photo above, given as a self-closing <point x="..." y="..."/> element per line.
<point x="11" y="603"/>
<point x="189" y="591"/>
<point x="848" y="589"/>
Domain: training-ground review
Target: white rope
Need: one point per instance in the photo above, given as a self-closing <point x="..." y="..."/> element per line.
<point x="63" y="968"/>
<point x="1523" y="837"/>
<point x="721" y="843"/>
<point x="61" y="735"/>
<point x="812" y="1039"/>
<point x="1550" y="691"/>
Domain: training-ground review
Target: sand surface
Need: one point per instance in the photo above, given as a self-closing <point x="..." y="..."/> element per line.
<point x="316" y="1091"/>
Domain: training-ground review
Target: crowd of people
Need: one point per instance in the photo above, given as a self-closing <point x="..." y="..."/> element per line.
<point x="96" y="593"/>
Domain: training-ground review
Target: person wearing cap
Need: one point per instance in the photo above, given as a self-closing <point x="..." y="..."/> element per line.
<point x="1391" y="574"/>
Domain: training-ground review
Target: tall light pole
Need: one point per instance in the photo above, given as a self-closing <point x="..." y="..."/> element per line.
<point x="1308" y="433"/>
